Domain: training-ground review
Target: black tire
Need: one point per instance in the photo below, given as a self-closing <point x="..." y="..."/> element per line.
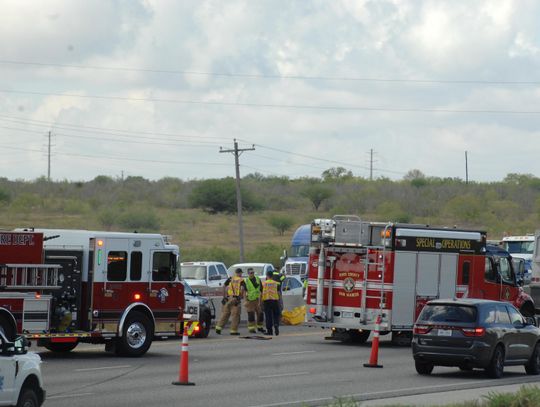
<point x="533" y="366"/>
<point x="401" y="338"/>
<point x="28" y="398"/>
<point x="359" y="336"/>
<point x="7" y="328"/>
<point x="423" y="368"/>
<point x="206" y="326"/>
<point x="495" y="369"/>
<point x="527" y="310"/>
<point x="61" y="347"/>
<point x="137" y="335"/>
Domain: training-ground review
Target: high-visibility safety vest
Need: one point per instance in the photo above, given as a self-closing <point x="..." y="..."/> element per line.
<point x="253" y="292"/>
<point x="270" y="290"/>
<point x="233" y="290"/>
<point x="276" y="275"/>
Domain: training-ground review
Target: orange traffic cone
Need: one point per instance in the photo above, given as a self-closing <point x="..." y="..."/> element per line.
<point x="184" y="362"/>
<point x="373" y="359"/>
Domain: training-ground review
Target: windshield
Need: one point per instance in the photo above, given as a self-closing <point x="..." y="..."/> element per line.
<point x="194" y="272"/>
<point x="299" y="251"/>
<point x="519" y="247"/>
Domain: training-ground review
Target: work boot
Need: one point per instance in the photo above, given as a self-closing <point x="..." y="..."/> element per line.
<point x="276" y="328"/>
<point x="261" y="330"/>
<point x="235" y="333"/>
<point x="252" y="331"/>
<point x="218" y="331"/>
<point x="269" y="333"/>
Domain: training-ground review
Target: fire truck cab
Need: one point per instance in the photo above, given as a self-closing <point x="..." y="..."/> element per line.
<point x="361" y="270"/>
<point x="120" y="289"/>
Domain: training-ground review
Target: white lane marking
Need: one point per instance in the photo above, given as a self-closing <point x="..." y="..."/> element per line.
<point x="102" y="368"/>
<point x="283" y="375"/>
<point x="69" y="395"/>
<point x="293" y="353"/>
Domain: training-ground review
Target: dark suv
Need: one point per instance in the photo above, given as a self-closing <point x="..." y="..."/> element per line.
<point x="472" y="333"/>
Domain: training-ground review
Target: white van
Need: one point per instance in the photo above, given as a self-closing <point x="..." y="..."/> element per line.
<point x="521" y="247"/>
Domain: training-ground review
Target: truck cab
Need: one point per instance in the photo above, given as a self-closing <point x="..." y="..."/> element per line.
<point x="20" y="374"/>
<point x="295" y="261"/>
<point x="207" y="277"/>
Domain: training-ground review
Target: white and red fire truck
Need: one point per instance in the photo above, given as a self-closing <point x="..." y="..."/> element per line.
<point x="361" y="270"/>
<point x="63" y="287"/>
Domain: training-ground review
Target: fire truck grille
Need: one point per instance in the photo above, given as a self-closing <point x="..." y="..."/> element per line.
<point x="295" y="268"/>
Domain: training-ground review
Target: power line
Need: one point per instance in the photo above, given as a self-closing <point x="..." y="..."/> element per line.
<point x="278" y="106"/>
<point x="274" y="76"/>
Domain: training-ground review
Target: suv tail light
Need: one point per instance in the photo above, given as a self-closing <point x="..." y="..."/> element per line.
<point x="476" y="332"/>
<point x="421" y="329"/>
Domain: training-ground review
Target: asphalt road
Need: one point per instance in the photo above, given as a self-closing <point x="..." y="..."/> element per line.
<point x="298" y="368"/>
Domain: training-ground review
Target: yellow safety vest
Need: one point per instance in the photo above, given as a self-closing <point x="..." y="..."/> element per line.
<point x="270" y="290"/>
<point x="233" y="290"/>
<point x="253" y="292"/>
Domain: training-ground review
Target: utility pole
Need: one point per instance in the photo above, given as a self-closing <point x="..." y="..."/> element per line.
<point x="466" y="169"/>
<point x="237" y="152"/>
<point x="371" y="165"/>
<point x="49" y="159"/>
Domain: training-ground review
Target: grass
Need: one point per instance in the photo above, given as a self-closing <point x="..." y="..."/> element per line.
<point x="526" y="396"/>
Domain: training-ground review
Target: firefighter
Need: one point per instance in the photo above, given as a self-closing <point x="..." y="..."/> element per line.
<point x="270" y="297"/>
<point x="253" y="302"/>
<point x="233" y="292"/>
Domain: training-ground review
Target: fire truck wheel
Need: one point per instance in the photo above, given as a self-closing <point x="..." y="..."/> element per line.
<point x="359" y="336"/>
<point x="206" y="325"/>
<point x="61" y="347"/>
<point x="7" y="328"/>
<point x="136" y="336"/>
<point x="401" y="338"/>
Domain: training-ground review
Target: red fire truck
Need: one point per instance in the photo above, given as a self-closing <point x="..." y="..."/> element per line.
<point x="63" y="287"/>
<point x="360" y="270"/>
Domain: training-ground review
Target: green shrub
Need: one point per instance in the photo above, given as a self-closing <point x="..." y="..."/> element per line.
<point x="139" y="219"/>
<point x="281" y="223"/>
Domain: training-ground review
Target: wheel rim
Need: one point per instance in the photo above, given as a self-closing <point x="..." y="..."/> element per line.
<point x="28" y="403"/>
<point x="499" y="363"/>
<point x="136" y="335"/>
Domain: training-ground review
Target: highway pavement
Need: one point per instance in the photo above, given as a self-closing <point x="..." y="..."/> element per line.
<point x="297" y="368"/>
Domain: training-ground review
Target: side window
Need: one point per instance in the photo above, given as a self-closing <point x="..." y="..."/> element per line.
<point x="286" y="284"/>
<point x="222" y="271"/>
<point x="490" y="315"/>
<point x="489" y="273"/>
<point x="295" y="283"/>
<point x="213" y="274"/>
<point x="515" y="316"/>
<point x="506" y="271"/>
<point x="466" y="272"/>
<point x="135" y="267"/>
<point x="502" y="315"/>
<point x="163" y="266"/>
<point x="117" y="266"/>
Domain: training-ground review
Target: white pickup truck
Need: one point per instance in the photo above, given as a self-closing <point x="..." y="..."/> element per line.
<point x="21" y="384"/>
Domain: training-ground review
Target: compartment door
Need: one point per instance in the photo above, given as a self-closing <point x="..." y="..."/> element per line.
<point x="404" y="299"/>
<point x="447" y="286"/>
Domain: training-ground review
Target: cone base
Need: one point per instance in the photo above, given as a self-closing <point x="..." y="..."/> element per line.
<point x="183" y="383"/>
<point x="372" y="365"/>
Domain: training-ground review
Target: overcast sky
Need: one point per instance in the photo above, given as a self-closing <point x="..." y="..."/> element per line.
<point x="154" y="88"/>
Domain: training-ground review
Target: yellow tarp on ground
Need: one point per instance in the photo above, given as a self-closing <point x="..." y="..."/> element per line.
<point x="295" y="316"/>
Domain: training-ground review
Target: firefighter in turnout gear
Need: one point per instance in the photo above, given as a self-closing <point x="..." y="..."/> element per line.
<point x="270" y="297"/>
<point x="233" y="292"/>
<point x="253" y="302"/>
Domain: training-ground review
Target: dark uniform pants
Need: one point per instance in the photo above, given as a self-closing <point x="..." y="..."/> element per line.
<point x="271" y="314"/>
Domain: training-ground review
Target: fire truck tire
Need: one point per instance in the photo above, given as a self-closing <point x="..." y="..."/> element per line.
<point x="206" y="325"/>
<point x="137" y="335"/>
<point x="527" y="310"/>
<point x="401" y="338"/>
<point x="28" y="398"/>
<point x="7" y="328"/>
<point x="359" y="336"/>
<point x="60" y="347"/>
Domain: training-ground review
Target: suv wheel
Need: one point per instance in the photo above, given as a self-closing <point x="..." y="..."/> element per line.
<point x="533" y="366"/>
<point x="495" y="369"/>
<point x="423" y="368"/>
<point x="28" y="398"/>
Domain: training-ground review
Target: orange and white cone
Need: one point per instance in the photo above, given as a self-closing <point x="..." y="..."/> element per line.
<point x="373" y="359"/>
<point x="184" y="362"/>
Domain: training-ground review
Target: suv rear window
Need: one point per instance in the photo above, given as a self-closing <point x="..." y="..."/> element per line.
<point x="448" y="313"/>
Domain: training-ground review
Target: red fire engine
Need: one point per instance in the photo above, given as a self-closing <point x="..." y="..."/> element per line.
<point x="63" y="287"/>
<point x="359" y="270"/>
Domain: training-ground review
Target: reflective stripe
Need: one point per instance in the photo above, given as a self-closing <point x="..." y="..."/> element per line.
<point x="270" y="290"/>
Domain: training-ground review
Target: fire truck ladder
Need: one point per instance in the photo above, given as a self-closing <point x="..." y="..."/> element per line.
<point x="29" y="276"/>
<point x="380" y="267"/>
